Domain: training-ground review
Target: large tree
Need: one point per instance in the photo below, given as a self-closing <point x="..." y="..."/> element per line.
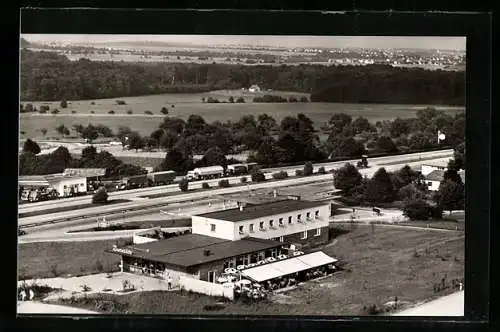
<point x="385" y="144"/>
<point x="176" y="161"/>
<point x="380" y="188"/>
<point x="361" y="124"/>
<point x="450" y="196"/>
<point x="347" y="178"/>
<point x="339" y="121"/>
<point x="135" y="141"/>
<point x="31" y="146"/>
<point x="343" y="146"/>
<point x="214" y="157"/>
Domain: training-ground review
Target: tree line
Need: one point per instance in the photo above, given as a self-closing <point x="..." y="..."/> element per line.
<point x="31" y="163"/>
<point x="49" y="76"/>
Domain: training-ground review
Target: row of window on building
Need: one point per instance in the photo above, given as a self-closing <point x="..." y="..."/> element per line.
<point x="251" y="227"/>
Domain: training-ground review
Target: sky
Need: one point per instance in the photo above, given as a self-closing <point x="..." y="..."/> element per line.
<point x="442" y="43"/>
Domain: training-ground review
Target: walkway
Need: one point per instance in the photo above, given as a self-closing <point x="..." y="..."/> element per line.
<point x="450" y="305"/>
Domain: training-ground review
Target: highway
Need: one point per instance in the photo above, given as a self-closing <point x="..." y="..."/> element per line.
<point x="173" y="188"/>
<point x="93" y="212"/>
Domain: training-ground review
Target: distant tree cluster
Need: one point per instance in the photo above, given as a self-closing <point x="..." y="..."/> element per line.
<point x="53" y="77"/>
<point x="32" y="164"/>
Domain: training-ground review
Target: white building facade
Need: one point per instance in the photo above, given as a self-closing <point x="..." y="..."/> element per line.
<point x="288" y="221"/>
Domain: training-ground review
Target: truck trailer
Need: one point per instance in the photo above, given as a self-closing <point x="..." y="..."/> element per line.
<point x="161" y="178"/>
<point x="237" y="169"/>
<point x="133" y="182"/>
<point x="202" y="173"/>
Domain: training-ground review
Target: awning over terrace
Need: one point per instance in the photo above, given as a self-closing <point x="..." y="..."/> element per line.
<point x="288" y="266"/>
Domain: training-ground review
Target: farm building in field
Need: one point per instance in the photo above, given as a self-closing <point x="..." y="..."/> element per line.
<point x="434" y="178"/>
<point x="262" y="241"/>
<point x="254" y="88"/>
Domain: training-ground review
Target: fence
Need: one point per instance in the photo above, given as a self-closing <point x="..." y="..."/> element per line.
<point x="204" y="287"/>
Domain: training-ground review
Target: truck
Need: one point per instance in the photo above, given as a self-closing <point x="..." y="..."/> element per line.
<point x="161" y="178"/>
<point x="201" y="173"/>
<point x="363" y="163"/>
<point x="133" y="182"/>
<point x="237" y="169"/>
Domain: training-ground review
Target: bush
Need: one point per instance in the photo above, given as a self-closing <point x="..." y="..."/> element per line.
<point x="205" y="185"/>
<point x="308" y="168"/>
<point x="92" y="103"/>
<point x="417" y="209"/>
<point x="224" y="183"/>
<point x="129" y="111"/>
<point x="280" y="175"/>
<point x="258" y="176"/>
<point x="321" y="170"/>
<point x="73" y="112"/>
<point x="304" y="99"/>
<point x="45" y="107"/>
<point x="111" y="112"/>
<point x="184" y="185"/>
<point x="99" y="267"/>
<point x="64" y="103"/>
<point x="42" y="111"/>
<point x="244" y="179"/>
<point x="85" y="288"/>
<point x="299" y="172"/>
<point x="436" y="212"/>
<point x="55" y="111"/>
<point x="164" y="110"/>
<point x="120" y="102"/>
<point x="240" y="100"/>
<point x="148" y="112"/>
<point x="92" y="112"/>
<point x="100" y="197"/>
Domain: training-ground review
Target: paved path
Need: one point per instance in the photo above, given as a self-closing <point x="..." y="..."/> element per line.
<point x="450" y="305"/>
<point x="34" y="307"/>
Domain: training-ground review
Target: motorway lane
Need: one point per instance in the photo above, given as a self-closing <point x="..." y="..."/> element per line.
<point x="130" y="194"/>
<point x="193" y="196"/>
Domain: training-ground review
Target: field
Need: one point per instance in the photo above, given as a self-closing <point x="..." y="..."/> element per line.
<point x="187" y="104"/>
<point x="41" y="260"/>
<point x="379" y="266"/>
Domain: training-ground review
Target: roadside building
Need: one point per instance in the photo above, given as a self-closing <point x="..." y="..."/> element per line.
<point x="67" y="185"/>
<point x="427" y="168"/>
<point x="286" y="221"/>
<point x="193" y="255"/>
<point x="235" y="239"/>
<point x="434" y="178"/>
<point x="93" y="175"/>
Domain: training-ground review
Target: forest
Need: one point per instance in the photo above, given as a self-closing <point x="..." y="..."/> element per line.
<point x="47" y="76"/>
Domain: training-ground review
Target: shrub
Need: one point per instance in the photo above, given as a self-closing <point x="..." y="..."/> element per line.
<point x="100" y="197"/>
<point x="148" y="112"/>
<point x="205" y="185"/>
<point x="299" y="172"/>
<point x="92" y="112"/>
<point x="436" y="212"/>
<point x="73" y="112"/>
<point x="244" y="179"/>
<point x="120" y="102"/>
<point x="42" y="111"/>
<point x="53" y="269"/>
<point x="224" y="183"/>
<point x="64" y="103"/>
<point x="45" y="107"/>
<point x="258" y="176"/>
<point x="129" y="111"/>
<point x="92" y="103"/>
<point x="308" y="168"/>
<point x="417" y="209"/>
<point x="184" y="185"/>
<point x="304" y="99"/>
<point x="55" y="111"/>
<point x="280" y="175"/>
<point x="164" y="110"/>
<point x="240" y="100"/>
<point x="111" y="112"/>
<point x="98" y="265"/>
<point x="321" y="170"/>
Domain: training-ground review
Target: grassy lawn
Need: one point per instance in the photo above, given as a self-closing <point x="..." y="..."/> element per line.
<point x="41" y="260"/>
<point x="378" y="267"/>
<point x="141" y="161"/>
<point x="140" y="224"/>
<point x="70" y="208"/>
